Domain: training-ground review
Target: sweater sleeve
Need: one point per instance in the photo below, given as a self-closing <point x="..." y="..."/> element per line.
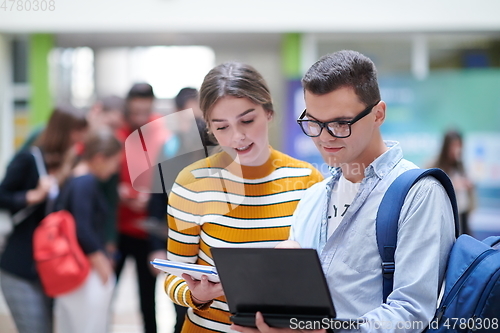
<point x="81" y="198"/>
<point x="315" y="177"/>
<point x="21" y="175"/>
<point x="183" y="238"/>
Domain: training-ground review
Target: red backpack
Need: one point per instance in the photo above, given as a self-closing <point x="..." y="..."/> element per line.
<point x="60" y="261"/>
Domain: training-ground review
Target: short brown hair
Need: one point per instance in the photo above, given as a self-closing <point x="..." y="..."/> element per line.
<point x="101" y="141"/>
<point x="237" y="80"/>
<point x="345" y="68"/>
<point x="111" y="103"/>
<point x="140" y="91"/>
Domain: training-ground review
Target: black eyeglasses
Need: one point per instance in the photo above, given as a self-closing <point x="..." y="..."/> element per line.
<point x="338" y="129"/>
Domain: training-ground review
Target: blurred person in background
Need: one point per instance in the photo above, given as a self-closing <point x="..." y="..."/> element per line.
<point x="23" y="187"/>
<point x="450" y="161"/>
<point x="86" y="309"/>
<point x="108" y="113"/>
<point x="237" y="107"/>
<point x="180" y="142"/>
<point x="133" y="239"/>
<point x="188" y="98"/>
<point x="105" y="112"/>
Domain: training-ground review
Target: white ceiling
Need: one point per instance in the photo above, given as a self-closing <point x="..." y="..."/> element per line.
<point x="173" y="16"/>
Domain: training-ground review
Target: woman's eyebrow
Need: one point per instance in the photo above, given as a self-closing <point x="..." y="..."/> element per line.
<point x="238" y="116"/>
<point x="244" y="113"/>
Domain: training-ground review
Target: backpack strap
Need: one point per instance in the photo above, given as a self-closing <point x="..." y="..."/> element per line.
<point x="388" y="217"/>
<point x="21" y="215"/>
<point x="40" y="164"/>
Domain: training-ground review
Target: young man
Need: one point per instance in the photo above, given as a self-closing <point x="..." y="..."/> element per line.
<point x="107" y="112"/>
<point x="336" y="217"/>
<point x="187" y="98"/>
<point x="133" y="240"/>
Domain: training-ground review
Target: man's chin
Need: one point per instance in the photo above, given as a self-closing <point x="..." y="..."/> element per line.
<point x="331" y="161"/>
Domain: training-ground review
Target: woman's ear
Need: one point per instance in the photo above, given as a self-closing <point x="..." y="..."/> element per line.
<point x="269" y="115"/>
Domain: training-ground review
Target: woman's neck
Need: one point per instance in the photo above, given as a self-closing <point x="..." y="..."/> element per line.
<point x="81" y="169"/>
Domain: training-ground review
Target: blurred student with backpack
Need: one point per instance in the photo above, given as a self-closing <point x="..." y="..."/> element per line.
<point x="24" y="190"/>
<point x="108" y="113"/>
<point x="86" y="309"/>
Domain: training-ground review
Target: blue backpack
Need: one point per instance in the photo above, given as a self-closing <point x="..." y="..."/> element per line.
<point x="471" y="300"/>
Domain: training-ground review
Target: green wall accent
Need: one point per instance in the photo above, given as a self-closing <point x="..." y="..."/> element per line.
<point x="291" y="49"/>
<point x="38" y="68"/>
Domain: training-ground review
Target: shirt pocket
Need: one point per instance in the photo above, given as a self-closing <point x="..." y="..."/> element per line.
<point x="359" y="250"/>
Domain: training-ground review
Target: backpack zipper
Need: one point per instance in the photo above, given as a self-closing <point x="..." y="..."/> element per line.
<point x="454" y="291"/>
<point x="484" y="296"/>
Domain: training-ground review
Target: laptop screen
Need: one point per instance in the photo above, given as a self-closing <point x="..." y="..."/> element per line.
<point x="274" y="281"/>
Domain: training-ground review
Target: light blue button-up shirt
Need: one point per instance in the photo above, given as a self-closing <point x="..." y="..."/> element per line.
<point x="350" y="257"/>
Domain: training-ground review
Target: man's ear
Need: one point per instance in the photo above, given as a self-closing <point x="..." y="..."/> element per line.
<point x="379" y="111"/>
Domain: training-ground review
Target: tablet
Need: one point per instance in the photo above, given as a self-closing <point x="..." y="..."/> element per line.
<point x="285" y="285"/>
<point x="178" y="268"/>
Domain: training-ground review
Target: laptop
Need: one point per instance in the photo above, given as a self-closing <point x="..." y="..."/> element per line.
<point x="286" y="285"/>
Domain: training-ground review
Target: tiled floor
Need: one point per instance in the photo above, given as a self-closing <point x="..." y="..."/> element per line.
<point x="126" y="315"/>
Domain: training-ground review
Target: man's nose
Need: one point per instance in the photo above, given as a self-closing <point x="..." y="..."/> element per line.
<point x="326" y="136"/>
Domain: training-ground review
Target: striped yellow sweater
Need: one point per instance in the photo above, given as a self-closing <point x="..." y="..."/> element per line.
<point x="218" y="203"/>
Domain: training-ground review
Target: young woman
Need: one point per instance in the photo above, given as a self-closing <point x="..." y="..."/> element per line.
<point x="450" y="161"/>
<point x="243" y="196"/>
<point x="23" y="188"/>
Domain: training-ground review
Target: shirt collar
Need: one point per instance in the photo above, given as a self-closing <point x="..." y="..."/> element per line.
<point x="387" y="161"/>
<point x="382" y="164"/>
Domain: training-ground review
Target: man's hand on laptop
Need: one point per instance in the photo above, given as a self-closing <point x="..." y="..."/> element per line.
<point x="203" y="291"/>
<point x="262" y="327"/>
